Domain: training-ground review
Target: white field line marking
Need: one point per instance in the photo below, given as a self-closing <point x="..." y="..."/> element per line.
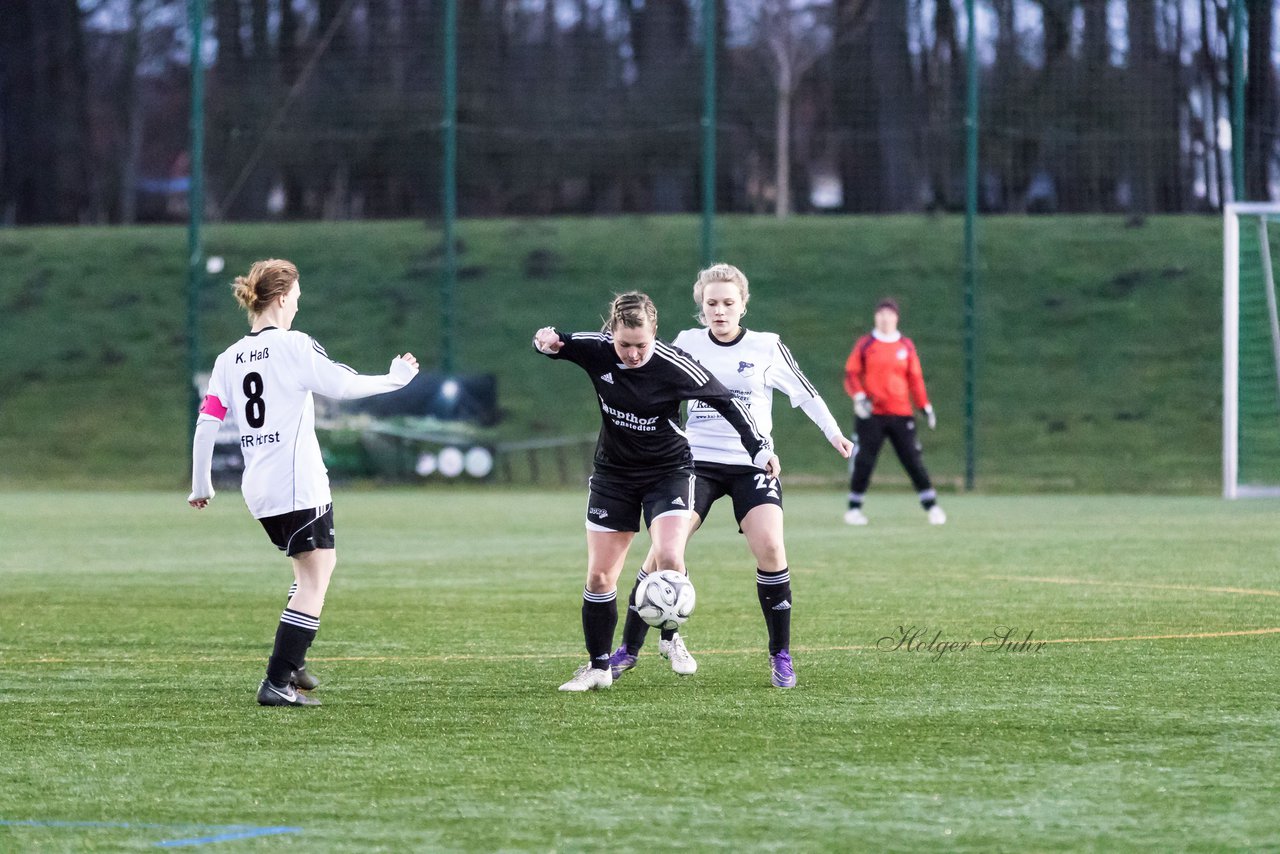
<point x="444" y="658"/>
<point x="1243" y="591"/>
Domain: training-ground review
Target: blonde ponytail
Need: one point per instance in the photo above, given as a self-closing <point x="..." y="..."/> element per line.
<point x="266" y="281"/>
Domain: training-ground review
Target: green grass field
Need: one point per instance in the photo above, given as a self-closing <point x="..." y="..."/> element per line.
<point x="133" y="632"/>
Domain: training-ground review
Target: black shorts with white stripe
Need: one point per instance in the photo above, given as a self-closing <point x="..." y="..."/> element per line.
<point x="615" y="504"/>
<point x="301" y="530"/>
<point x="747" y="486"/>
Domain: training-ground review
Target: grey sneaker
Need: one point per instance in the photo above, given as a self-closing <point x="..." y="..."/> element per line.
<point x="780" y="670"/>
<point x="271" y="695"/>
<point x="304" y="679"/>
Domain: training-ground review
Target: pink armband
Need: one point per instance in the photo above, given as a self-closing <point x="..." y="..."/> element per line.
<point x="213" y="406"/>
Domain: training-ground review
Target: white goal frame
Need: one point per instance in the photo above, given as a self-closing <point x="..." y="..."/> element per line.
<point x="1231" y="487"/>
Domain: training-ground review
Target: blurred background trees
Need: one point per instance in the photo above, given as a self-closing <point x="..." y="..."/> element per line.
<point x="330" y="108"/>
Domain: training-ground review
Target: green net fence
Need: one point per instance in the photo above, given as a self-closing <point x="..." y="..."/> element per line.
<point x="1107" y="146"/>
<point x="1259" y="371"/>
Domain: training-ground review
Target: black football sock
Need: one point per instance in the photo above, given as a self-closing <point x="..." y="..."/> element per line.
<point x="774" y="590"/>
<point x="293" y="636"/>
<point x="599" y="619"/>
<point x="293" y="588"/>
<point x="634" y="629"/>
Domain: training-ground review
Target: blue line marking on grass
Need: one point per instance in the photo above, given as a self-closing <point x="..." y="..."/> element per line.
<point x="235" y="833"/>
<point x="228" y="831"/>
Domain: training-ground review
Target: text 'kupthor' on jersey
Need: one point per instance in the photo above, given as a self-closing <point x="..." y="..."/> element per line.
<point x="265" y="381"/>
<point x="640" y="407"/>
<point x="751" y="366"/>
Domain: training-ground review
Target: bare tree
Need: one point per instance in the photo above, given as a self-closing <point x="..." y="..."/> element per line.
<point x="149" y="36"/>
<point x="1214" y="85"/>
<point x="943" y="78"/>
<point x="794" y="35"/>
<point x="1097" y="179"/>
<point x="46" y="173"/>
<point x="1261" y="108"/>
<point x="894" y="97"/>
<point x="1144" y="61"/>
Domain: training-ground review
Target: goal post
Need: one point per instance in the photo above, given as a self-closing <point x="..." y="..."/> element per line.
<point x="1250" y="351"/>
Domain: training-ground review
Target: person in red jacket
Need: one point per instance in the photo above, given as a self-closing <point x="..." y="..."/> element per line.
<point x="884" y="378"/>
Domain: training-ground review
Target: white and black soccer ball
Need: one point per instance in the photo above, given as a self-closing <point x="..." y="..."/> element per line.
<point x="665" y="599"/>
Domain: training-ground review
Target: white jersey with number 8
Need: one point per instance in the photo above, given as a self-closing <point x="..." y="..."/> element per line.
<point x="266" y="380"/>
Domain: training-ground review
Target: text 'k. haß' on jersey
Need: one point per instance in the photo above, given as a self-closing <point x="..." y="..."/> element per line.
<point x="265" y="381"/>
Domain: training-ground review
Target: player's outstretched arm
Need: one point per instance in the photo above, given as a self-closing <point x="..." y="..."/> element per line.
<point x="342" y="383"/>
<point x="715" y="395"/>
<point x="816" y="409"/>
<point x="202" y="462"/>
<point x="547" y="341"/>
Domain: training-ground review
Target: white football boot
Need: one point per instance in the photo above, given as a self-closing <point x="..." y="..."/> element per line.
<point x="937" y="516"/>
<point x="588" y="678"/>
<point x="677" y="653"/>
<point x="855" y="516"/>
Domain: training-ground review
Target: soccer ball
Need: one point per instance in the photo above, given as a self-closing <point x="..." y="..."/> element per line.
<point x="665" y="599"/>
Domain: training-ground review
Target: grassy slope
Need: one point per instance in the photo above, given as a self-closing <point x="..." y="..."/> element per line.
<point x="126" y="682"/>
<point x="1099" y="351"/>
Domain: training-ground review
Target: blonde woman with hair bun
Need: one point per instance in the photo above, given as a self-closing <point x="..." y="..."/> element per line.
<point x="752" y="365"/>
<point x="265" y="382"/>
<point x="643" y="466"/>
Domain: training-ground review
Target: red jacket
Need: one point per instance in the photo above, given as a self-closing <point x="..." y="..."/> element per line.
<point x="889" y="373"/>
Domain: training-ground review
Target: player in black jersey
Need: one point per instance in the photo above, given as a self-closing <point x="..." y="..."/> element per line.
<point x="753" y="364"/>
<point x="643" y="464"/>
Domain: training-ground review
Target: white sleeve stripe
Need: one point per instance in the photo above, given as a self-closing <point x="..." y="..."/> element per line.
<point x="795" y="369"/>
<point x="321" y="351"/>
<point x="689" y="366"/>
<point x="751" y="422"/>
<point x="588" y="336"/>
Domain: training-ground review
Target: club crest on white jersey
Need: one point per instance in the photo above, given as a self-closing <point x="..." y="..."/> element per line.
<point x="752" y="368"/>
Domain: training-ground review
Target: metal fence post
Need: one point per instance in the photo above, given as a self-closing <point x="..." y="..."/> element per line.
<point x="1239" y="34"/>
<point x="708" y="131"/>
<point x="449" y="126"/>
<point x="195" y="204"/>
<point x="970" y="251"/>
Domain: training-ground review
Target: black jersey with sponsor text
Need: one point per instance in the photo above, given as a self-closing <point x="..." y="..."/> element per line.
<point x="641" y="430"/>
